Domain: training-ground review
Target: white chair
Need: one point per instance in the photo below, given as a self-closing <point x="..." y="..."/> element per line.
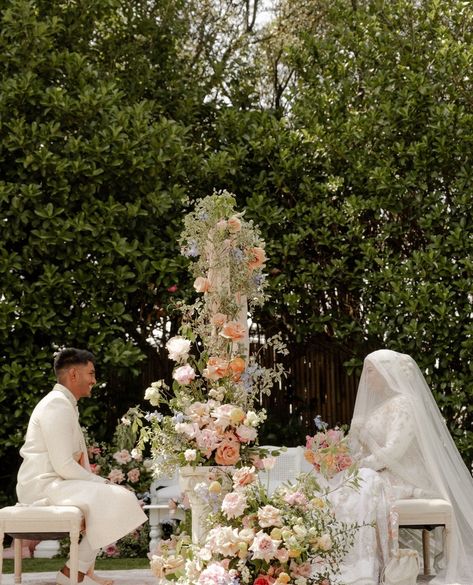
<point x="287" y="467"/>
<point x="162" y="490"/>
<point x="426" y="514"/>
<point x="41" y="523"/>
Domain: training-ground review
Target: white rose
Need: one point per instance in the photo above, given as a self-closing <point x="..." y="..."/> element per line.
<point x="152" y="394"/>
<point x="178" y="348"/>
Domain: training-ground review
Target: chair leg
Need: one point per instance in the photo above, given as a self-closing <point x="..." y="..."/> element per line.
<point x="426" y="550"/>
<point x="2" y="536"/>
<point x="18" y="548"/>
<point x="74" y="556"/>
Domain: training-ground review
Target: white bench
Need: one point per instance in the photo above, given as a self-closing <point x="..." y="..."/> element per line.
<point x="425" y="514"/>
<point x="41" y="523"/>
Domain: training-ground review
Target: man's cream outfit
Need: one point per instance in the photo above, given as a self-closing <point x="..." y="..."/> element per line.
<point x="51" y="473"/>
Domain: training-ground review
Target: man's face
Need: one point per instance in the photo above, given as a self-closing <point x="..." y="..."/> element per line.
<point x="82" y="379"/>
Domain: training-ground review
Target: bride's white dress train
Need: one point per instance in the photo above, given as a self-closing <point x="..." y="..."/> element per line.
<point x="368" y="506"/>
<point x="398" y="433"/>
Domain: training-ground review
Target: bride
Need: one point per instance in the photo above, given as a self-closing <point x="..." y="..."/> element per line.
<point x="405" y="450"/>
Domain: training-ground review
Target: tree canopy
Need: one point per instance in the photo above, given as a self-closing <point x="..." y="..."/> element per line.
<point x="343" y="128"/>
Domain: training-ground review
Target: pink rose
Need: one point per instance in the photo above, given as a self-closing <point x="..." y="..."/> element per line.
<point x="244" y="476"/>
<point x="184" y="374"/>
<point x="133" y="475"/>
<point x="228" y="453"/>
<point x="234" y="224"/>
<point x="246" y="434"/>
<point x="282" y="554"/>
<point x="219" y="319"/>
<point x="264" y="547"/>
<point x="116" y="476"/>
<point x="122" y="456"/>
<point x="111" y="551"/>
<point x="300" y="570"/>
<point x="216" y="368"/>
<point x="296" y="499"/>
<point x="214" y="574"/>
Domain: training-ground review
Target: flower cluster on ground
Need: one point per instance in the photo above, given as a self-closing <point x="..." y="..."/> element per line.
<point x="288" y="537"/>
<point x="210" y="415"/>
<point x="121" y="463"/>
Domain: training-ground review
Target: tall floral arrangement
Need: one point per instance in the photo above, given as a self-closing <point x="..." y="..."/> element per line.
<point x="211" y="413"/>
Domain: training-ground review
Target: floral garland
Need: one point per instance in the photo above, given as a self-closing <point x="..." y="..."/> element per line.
<point x="211" y="415"/>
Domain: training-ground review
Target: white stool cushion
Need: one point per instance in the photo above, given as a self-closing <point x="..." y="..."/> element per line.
<point x="423" y="511"/>
<point x="21" y="519"/>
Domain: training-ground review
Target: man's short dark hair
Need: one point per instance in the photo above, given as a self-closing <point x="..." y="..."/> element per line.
<point x="72" y="357"/>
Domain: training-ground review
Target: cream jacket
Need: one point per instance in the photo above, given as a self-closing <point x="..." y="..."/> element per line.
<point x="50" y="472"/>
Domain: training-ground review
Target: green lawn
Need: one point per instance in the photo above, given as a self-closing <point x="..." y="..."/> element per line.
<point x="50" y="565"/>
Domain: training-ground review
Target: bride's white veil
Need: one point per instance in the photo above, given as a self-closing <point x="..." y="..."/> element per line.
<point x="387" y="374"/>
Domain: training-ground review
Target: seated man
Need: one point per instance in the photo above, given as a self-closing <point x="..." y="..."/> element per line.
<point x="55" y="468"/>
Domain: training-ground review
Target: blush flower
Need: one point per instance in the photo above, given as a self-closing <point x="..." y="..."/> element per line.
<point x="202" y="284"/>
<point x="116" y="475"/>
<point x="184" y="374"/>
<point x="246" y="434"/>
<point x="133" y="475"/>
<point x="244" y="476"/>
<point x="234" y="504"/>
<point x="269" y="516"/>
<point x="264" y="547"/>
<point x="122" y="456"/>
<point x="215" y="574"/>
<point x="219" y="319"/>
<point x="234" y="224"/>
<point x="216" y="368"/>
<point x="256" y="257"/>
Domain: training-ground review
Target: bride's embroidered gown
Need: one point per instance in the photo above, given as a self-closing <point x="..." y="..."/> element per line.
<point x="404" y="451"/>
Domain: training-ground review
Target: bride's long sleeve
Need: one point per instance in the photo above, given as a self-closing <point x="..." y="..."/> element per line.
<point x="388" y="434"/>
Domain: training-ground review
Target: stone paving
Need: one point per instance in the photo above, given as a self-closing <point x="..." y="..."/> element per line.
<point x="131" y="577"/>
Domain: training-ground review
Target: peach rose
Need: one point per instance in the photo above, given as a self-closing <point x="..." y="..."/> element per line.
<point x="216" y="368"/>
<point x="237" y="366"/>
<point x="219" y="319"/>
<point x="256" y="257"/>
<point x="202" y="284"/>
<point x="234" y="224"/>
<point x="244" y="476"/>
<point x="227" y="453"/>
<point x="233" y="330"/>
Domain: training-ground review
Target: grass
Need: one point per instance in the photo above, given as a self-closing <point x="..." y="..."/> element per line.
<point x="51" y="565"/>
